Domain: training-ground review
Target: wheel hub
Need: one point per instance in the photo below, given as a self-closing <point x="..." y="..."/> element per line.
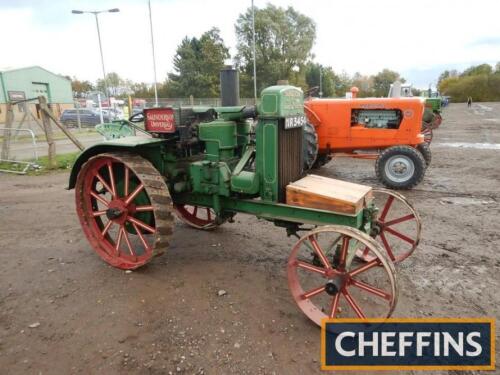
<point x="400" y="168"/>
<point x="332" y="287"/>
<point x="113" y="213"/>
<point x="118" y="211"/>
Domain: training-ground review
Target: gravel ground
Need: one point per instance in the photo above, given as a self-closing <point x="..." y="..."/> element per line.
<point x="62" y="310"/>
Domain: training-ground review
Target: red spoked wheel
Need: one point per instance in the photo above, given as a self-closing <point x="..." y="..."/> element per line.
<point x="327" y="280"/>
<point x="124" y="208"/>
<point x="437" y="120"/>
<point x="427" y="133"/>
<point x="196" y="216"/>
<point x="397" y="226"/>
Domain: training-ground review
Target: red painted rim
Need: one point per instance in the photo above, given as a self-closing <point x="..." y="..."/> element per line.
<point x="427" y="132"/>
<point x="399" y="243"/>
<point x="124" y="241"/>
<point x="196" y="216"/>
<point x="438" y="119"/>
<point x="343" y="272"/>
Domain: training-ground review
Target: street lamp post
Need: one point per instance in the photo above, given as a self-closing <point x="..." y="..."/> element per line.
<point x="254" y="57"/>
<point x="320" y="81"/>
<point x="96" y="13"/>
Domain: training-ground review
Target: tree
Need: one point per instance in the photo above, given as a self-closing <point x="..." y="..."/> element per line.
<point x="328" y="78"/>
<point x="477" y="70"/>
<point x="364" y="84"/>
<point x="197" y="64"/>
<point x="142" y="90"/>
<point x="382" y="81"/>
<point x="80" y="88"/>
<point x="480" y="82"/>
<point x="284" y="39"/>
<point x="116" y="85"/>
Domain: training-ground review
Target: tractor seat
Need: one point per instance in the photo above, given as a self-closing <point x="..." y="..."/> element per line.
<point x="328" y="194"/>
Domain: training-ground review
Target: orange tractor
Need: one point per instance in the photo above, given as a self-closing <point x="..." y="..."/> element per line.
<point x="385" y="129"/>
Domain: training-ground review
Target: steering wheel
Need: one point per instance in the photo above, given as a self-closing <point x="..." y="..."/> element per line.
<point x="137" y="117"/>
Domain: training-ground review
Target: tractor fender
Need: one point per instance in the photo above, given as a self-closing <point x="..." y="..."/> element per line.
<point x="133" y="144"/>
<point x="313" y="118"/>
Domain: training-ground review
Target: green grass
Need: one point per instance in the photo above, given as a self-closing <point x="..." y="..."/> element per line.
<point x="24" y="137"/>
<point x="63" y="162"/>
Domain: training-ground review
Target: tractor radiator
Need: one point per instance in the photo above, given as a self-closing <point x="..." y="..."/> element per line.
<point x="290" y="164"/>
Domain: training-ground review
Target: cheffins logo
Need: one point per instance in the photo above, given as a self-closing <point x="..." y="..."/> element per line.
<point x="408" y="344"/>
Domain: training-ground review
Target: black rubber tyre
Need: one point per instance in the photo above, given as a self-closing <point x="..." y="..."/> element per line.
<point x="400" y="167"/>
<point x="321" y="160"/>
<point x="309" y="146"/>
<point x="425" y="150"/>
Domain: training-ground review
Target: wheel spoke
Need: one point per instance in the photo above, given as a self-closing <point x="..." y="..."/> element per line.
<point x="141" y="237"/>
<point x="134" y="194"/>
<point x="387" y="246"/>
<point x="352" y="302"/>
<point x="106" y="228"/>
<point x="112" y="179"/>
<point x="126" y="180"/>
<point x="127" y="241"/>
<point x="144" y="208"/>
<point x="343" y="251"/>
<point x="365" y="267"/>
<point x="400" y="235"/>
<point x="99" y="198"/>
<point x="334" y="306"/>
<point x="371" y="289"/>
<point x="313" y="292"/>
<point x="400" y="220"/>
<point x="98" y="213"/>
<point x="119" y="241"/>
<point x="104" y="183"/>
<point x="141" y="224"/>
<point x="387" y="206"/>
<point x="310" y="267"/>
<point x="319" y="252"/>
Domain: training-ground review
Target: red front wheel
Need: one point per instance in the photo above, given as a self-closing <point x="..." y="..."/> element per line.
<point x="124" y="208"/>
<point x="397" y="226"/>
<point x="197" y="216"/>
<point x="327" y="280"/>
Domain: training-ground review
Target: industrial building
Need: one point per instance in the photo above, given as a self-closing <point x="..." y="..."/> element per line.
<point x="31" y="82"/>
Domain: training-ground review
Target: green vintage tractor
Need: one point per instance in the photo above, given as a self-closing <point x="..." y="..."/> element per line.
<point x="205" y="165"/>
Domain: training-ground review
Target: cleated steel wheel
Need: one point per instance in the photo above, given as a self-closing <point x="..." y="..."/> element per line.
<point x="427" y="133"/>
<point x="327" y="280"/>
<point x="397" y="226"/>
<point x="196" y="216"/>
<point x="437" y="120"/>
<point x="124" y="208"/>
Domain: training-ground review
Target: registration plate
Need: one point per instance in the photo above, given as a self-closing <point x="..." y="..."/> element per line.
<point x="294" y="122"/>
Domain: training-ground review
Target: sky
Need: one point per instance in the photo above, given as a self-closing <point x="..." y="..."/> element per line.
<point x="419" y="39"/>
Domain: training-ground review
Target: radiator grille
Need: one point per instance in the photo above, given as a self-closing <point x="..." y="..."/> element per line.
<point x="289" y="158"/>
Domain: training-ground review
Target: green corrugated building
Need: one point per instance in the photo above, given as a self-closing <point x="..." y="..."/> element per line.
<point x="31" y="82"/>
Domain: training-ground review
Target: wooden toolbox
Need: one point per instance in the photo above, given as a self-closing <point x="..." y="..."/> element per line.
<point x="328" y="194"/>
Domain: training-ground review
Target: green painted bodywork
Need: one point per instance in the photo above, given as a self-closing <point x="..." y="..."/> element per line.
<point x="434" y="104"/>
<point x="234" y="170"/>
<point x="281" y="101"/>
<point x="267" y="158"/>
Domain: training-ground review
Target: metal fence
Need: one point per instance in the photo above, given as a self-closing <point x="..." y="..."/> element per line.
<point x="9" y="162"/>
<point x="176" y="102"/>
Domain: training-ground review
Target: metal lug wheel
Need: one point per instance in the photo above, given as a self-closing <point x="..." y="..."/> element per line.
<point x="196" y="216"/>
<point x="342" y="285"/>
<point x="124" y="208"/>
<point x="427" y="133"/>
<point x="437" y="120"/>
<point x="397" y="226"/>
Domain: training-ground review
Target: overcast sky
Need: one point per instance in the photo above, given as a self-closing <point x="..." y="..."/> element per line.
<point x="417" y="38"/>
